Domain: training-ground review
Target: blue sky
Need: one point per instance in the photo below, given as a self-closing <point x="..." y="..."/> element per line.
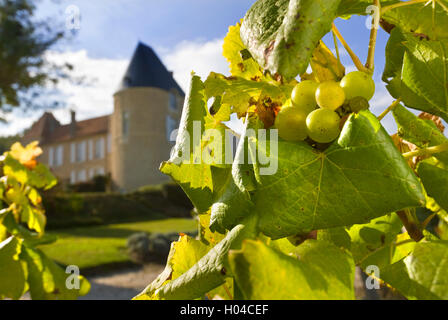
<point x="186" y="34"/>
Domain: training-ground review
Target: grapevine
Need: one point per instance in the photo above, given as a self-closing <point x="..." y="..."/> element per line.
<point x="344" y="193"/>
<point x="23" y="267"/>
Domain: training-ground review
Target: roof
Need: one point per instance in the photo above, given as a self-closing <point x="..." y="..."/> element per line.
<point x="60" y="133"/>
<point x="42" y="127"/>
<point x="146" y="70"/>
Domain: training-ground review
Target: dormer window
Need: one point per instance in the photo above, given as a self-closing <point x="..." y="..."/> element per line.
<point x="127" y="80"/>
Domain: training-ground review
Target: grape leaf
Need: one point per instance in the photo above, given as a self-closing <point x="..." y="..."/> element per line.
<point x="13" y="272"/>
<point x="38" y="176"/>
<point x="281" y="34"/>
<point x="205" y="234"/>
<point x="236" y="92"/>
<point x="422" y="133"/>
<point x="395" y="50"/>
<point x="197" y="178"/>
<point x="368" y="238"/>
<point x="207" y="274"/>
<point x="435" y="180"/>
<point x="48" y="281"/>
<point x="234" y="202"/>
<point x="349" y="7"/>
<point x="420" y="19"/>
<point x="34" y="218"/>
<point x="337" y="236"/>
<point x="320" y="271"/>
<point x="26" y="155"/>
<point x="361" y="176"/>
<point x="233" y="49"/>
<point x="187" y="251"/>
<point x="423" y="274"/>
<point x="424" y="74"/>
<point x="324" y="64"/>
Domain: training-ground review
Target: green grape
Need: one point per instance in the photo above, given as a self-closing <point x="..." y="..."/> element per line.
<point x="304" y="95"/>
<point x="323" y="125"/>
<point x="358" y="84"/>
<point x="357" y="104"/>
<point x="330" y="95"/>
<point x="291" y="124"/>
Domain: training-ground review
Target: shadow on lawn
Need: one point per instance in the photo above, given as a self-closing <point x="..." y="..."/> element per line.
<point x="98" y="232"/>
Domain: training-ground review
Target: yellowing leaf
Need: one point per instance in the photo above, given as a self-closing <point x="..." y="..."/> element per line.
<point x="325" y="65"/>
<point x="26" y="156"/>
<point x="321" y="271"/>
<point x="187" y="251"/>
<point x="233" y="51"/>
<point x="12" y="270"/>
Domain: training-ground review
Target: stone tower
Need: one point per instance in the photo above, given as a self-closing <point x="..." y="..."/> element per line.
<point x="147" y="108"/>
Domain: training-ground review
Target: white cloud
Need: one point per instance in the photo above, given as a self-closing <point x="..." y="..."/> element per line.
<point x="200" y="57"/>
<point x="90" y="100"/>
<point x="103" y="77"/>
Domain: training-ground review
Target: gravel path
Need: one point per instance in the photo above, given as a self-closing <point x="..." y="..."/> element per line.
<point x="122" y="285"/>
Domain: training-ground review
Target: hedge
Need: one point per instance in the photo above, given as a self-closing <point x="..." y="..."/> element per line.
<point x="79" y="209"/>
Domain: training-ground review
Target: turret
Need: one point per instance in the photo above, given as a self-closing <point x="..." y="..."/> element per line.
<point x="147" y="108"/>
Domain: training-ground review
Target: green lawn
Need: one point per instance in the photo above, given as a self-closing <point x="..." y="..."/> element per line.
<point x="90" y="247"/>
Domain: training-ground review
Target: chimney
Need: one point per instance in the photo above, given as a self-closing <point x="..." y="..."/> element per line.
<point x="73" y="123"/>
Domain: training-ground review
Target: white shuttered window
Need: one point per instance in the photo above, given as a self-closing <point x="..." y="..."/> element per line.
<point x="59" y="156"/>
<point x="51" y="157"/>
<point x="73" y="153"/>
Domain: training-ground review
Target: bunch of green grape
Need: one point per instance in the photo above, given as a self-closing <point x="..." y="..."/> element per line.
<point x="312" y="110"/>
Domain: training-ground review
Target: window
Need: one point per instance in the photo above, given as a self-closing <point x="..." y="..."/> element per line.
<point x="109" y="143"/>
<point x="99" y="148"/>
<point x="73" y="153"/>
<point x="50" y="156"/>
<point x="82" y="176"/>
<point x="91" y="173"/>
<point x="81" y="152"/>
<point x="59" y="155"/>
<point x="171" y="125"/>
<point x="90" y="149"/>
<point x="72" y="177"/>
<point x="172" y="101"/>
<point x="125" y="123"/>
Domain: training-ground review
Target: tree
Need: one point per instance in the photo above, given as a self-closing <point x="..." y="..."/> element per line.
<point x="24" y="70"/>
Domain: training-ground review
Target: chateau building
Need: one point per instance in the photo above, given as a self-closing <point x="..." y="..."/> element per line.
<point x="128" y="144"/>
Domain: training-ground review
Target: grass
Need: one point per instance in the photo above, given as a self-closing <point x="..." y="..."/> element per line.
<point x="105" y="246"/>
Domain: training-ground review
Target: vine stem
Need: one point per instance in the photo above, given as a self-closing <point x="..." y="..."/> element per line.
<point x="336" y="47"/>
<point x="227" y="291"/>
<point x="426" y="151"/>
<point x="411" y="224"/>
<point x="390" y="108"/>
<point x="442" y="5"/>
<point x="402" y="4"/>
<point x="370" y="64"/>
<point x="428" y="220"/>
<point x="354" y="57"/>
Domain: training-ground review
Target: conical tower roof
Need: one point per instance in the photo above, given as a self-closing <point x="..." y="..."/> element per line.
<point x="146" y="70"/>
